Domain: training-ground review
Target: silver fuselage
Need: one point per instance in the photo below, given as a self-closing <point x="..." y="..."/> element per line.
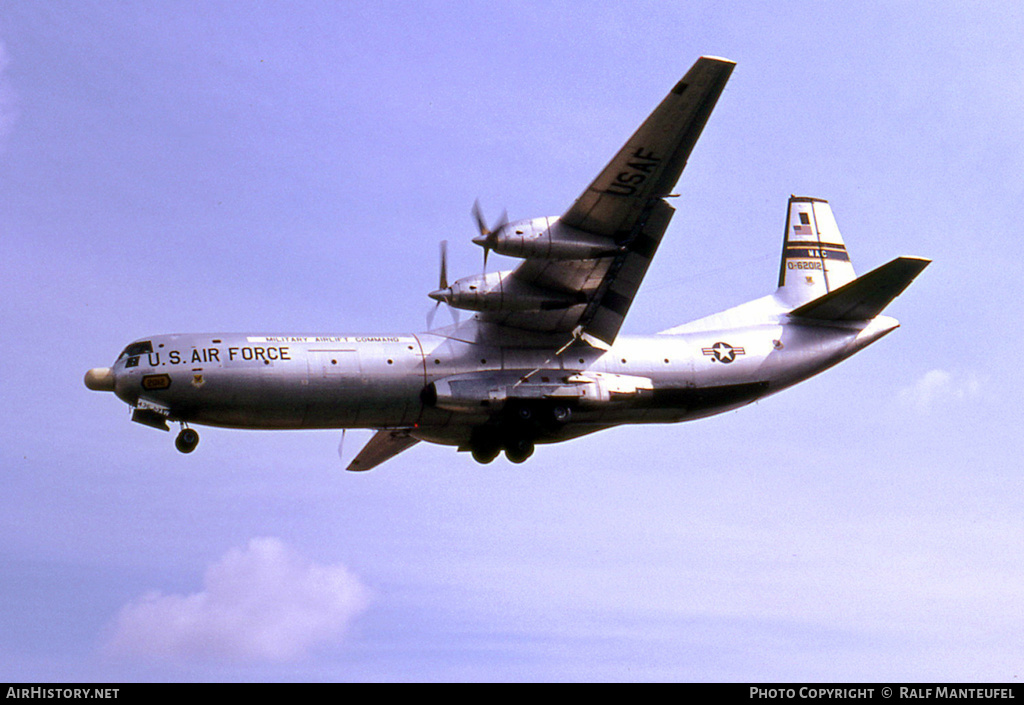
<point x="347" y="381"/>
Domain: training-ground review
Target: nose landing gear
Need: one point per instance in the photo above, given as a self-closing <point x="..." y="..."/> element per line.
<point x="187" y="440"/>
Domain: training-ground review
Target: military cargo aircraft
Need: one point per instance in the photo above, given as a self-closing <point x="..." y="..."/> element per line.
<point x="541" y="360"/>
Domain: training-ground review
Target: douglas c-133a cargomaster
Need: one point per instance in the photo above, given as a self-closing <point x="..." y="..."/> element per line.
<point x="541" y="361"/>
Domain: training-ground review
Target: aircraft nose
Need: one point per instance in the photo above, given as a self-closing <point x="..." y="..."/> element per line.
<point x="100" y="379"/>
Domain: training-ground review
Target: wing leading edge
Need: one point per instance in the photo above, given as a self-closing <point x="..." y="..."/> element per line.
<point x="624" y="208"/>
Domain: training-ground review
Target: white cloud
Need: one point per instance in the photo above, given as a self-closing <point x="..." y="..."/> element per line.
<point x="261" y="603"/>
<point x="938" y="388"/>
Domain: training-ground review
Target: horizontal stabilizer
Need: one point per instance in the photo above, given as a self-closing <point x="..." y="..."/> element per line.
<point x="385" y="444"/>
<point x="864" y="298"/>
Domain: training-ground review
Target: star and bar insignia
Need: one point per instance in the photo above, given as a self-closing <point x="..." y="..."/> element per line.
<point x="723" y="352"/>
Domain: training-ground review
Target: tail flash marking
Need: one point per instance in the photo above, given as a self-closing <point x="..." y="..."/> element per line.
<point x="814" y="257"/>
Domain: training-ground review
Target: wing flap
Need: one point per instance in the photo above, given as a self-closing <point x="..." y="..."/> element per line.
<point x="607" y="310"/>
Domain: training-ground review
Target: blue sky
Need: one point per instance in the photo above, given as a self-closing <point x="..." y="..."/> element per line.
<point x="291" y="167"/>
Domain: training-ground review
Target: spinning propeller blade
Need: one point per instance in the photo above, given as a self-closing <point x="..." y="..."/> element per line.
<point x="442" y="285"/>
<point x="488" y="236"/>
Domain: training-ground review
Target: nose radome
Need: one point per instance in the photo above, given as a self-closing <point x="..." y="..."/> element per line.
<point x="100" y="379"/>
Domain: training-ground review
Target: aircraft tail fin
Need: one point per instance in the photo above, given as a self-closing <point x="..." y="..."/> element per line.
<point x="814" y="257"/>
<point x="865" y="297"/>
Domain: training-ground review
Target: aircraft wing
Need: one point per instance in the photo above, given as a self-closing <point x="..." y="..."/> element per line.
<point x="625" y="207"/>
<point x="384" y="445"/>
<point x="650" y="163"/>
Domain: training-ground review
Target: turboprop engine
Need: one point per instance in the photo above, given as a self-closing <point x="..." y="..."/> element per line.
<point x="498" y="291"/>
<point x="545" y="238"/>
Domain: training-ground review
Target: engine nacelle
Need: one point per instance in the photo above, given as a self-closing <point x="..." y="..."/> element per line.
<point x="546" y="238"/>
<point x="498" y="291"/>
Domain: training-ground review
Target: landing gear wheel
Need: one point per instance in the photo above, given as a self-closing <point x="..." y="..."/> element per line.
<point x="485" y="455"/>
<point x="187" y="440"/>
<point x="524" y="414"/>
<point x="561" y="414"/>
<point x="485" y="445"/>
<point x="519" y="450"/>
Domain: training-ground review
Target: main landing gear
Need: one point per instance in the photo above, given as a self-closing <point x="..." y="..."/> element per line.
<point x="187" y="439"/>
<point x="515" y="432"/>
<point x="487" y="443"/>
<point x="518" y="450"/>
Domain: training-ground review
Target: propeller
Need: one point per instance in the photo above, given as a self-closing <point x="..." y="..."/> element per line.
<point x="442" y="287"/>
<point x="488" y="236"/>
<point x="443" y="283"/>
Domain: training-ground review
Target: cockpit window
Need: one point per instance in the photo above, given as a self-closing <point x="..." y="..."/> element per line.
<point x="140" y="348"/>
